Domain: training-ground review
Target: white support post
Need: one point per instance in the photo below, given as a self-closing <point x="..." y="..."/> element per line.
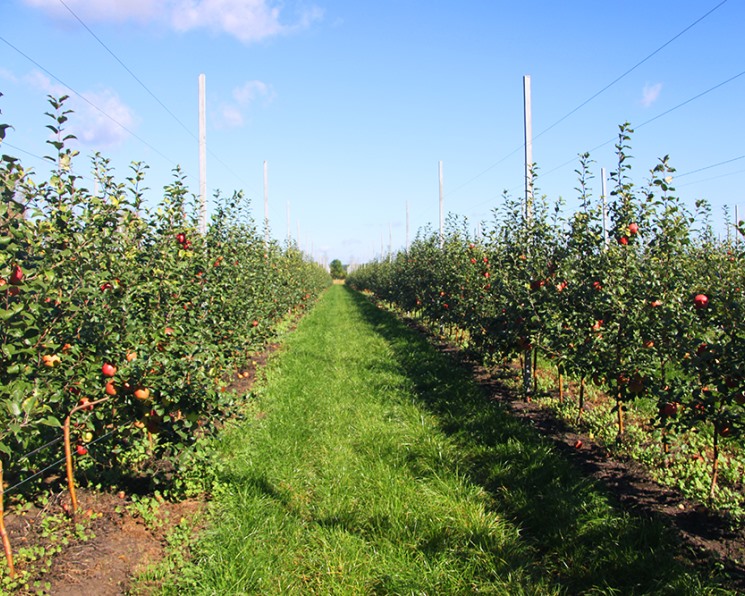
<point x="407" y="227"/>
<point x="266" y="205"/>
<point x="390" y="242"/>
<point x="202" y="156"/>
<point x="442" y="206"/>
<point x="604" y="199"/>
<point x="528" y="149"/>
<point x="528" y="354"/>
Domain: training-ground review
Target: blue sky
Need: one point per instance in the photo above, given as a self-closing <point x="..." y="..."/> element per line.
<point x="353" y="104"/>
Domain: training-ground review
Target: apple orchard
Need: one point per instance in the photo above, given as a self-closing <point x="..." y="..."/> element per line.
<point x="646" y="308"/>
<point x="126" y="317"/>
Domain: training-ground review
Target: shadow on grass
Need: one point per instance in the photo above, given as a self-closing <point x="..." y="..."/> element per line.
<point x="584" y="542"/>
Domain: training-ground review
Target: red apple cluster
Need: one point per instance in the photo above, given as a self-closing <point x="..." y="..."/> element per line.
<point x="183" y="241"/>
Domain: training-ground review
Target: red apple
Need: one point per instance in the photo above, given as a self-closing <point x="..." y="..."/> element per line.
<point x="50" y="360"/>
<point x="16" y="276"/>
<point x="633" y="228"/>
<point x="669" y="409"/>
<point x="181" y="238"/>
<point x="700" y="301"/>
<point x="108" y="370"/>
<point x="623" y="240"/>
<point x="81" y="450"/>
<point x="142" y="393"/>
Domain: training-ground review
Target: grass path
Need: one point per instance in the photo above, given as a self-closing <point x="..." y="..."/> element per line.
<point x="371" y="464"/>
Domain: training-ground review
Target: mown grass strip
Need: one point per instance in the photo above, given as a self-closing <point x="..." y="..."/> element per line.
<point x="374" y="465"/>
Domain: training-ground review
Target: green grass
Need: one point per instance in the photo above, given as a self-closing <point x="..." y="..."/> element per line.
<point x="373" y="465"/>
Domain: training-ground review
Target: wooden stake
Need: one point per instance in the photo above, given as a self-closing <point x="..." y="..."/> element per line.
<point x="68" y="465"/>
<point x="3" y="533"/>
<point x="68" y="451"/>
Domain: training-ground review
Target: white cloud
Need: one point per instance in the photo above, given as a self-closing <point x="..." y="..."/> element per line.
<point x="230" y="116"/>
<point x="43" y="83"/>
<point x="103" y="127"/>
<point x="233" y="114"/>
<point x="8" y="75"/>
<point x="246" y="20"/>
<point x="99" y="120"/>
<point x="252" y="90"/>
<point x="650" y="93"/>
<point x="104" y="10"/>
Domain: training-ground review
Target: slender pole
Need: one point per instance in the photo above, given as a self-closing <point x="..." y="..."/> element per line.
<point x="528" y="359"/>
<point x="266" y="204"/>
<point x="202" y="156"/>
<point x="407" y="227"/>
<point x="442" y="207"/>
<point x="604" y="198"/>
<point x="528" y="149"/>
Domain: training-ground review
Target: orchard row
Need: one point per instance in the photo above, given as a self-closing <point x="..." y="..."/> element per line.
<point x="644" y="302"/>
<point x="106" y="302"/>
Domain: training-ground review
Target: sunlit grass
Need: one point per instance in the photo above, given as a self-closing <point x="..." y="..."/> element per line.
<point x="374" y="465"/>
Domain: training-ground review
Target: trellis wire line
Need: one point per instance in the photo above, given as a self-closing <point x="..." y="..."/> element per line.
<point x="54" y="465"/>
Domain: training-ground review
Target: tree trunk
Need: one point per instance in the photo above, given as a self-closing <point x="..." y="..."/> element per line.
<point x="581" y="399"/>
